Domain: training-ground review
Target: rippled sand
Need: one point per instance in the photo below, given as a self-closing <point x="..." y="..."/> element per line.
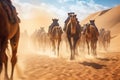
<point x="39" y="67"/>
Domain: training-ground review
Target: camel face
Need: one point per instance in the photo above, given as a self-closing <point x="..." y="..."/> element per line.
<point x="55" y="20"/>
<point x="92" y="21"/>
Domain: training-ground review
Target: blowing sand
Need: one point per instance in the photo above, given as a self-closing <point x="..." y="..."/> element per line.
<point x="39" y="67"/>
<point x="33" y="65"/>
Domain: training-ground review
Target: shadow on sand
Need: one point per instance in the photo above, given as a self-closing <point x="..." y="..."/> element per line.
<point x="106" y="59"/>
<point x="103" y="59"/>
<point x="114" y="36"/>
<point x="93" y="65"/>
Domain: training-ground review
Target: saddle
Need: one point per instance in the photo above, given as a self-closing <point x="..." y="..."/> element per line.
<point x="11" y="11"/>
<point x="52" y="26"/>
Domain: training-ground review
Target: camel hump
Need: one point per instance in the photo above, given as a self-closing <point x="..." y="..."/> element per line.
<point x="10" y="11"/>
<point x="55" y="27"/>
<point x="93" y="28"/>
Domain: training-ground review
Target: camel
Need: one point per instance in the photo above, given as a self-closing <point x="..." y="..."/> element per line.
<point x="100" y="38"/>
<point x="8" y="31"/>
<point x="33" y="38"/>
<point x="41" y="38"/>
<point x="55" y="35"/>
<point x="73" y="31"/>
<point x="108" y="38"/>
<point x="91" y="35"/>
<point x="81" y="41"/>
<point x="104" y="38"/>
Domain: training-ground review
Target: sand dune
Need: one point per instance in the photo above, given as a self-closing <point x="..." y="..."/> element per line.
<point x="108" y="19"/>
<point x="103" y="12"/>
<point x="92" y="16"/>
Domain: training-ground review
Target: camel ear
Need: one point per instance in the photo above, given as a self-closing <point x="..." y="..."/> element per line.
<point x="92" y="20"/>
<point x="68" y="14"/>
<point x="75" y="15"/>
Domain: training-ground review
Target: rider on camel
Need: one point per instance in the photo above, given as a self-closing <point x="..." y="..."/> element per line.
<point x="66" y="21"/>
<point x="55" y="23"/>
<point x="92" y="22"/>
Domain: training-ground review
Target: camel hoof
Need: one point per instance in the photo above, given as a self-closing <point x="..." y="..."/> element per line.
<point x="95" y="56"/>
<point x="11" y="78"/>
<point x="77" y="54"/>
<point x="6" y="78"/>
<point x="71" y="58"/>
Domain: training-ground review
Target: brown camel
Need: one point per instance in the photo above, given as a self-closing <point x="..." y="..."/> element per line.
<point x="8" y="31"/>
<point x="91" y="34"/>
<point x="101" y="37"/>
<point x="81" y="41"/>
<point x="107" y="37"/>
<point x="41" y="38"/>
<point x="55" y="37"/>
<point x="73" y="30"/>
<point x="104" y="38"/>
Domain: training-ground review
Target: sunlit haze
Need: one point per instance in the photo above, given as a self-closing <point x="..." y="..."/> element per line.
<point x="39" y="13"/>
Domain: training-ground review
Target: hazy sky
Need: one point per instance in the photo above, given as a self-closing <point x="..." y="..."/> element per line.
<point x="36" y="13"/>
<point x="109" y="3"/>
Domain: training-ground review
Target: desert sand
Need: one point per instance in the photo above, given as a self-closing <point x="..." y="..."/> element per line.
<point x="37" y="67"/>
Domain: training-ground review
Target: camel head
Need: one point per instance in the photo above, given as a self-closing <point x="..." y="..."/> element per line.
<point x="73" y="18"/>
<point x="71" y="13"/>
<point x="55" y="20"/>
<point x="92" y="21"/>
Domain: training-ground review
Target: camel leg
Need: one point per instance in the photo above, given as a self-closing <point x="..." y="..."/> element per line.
<point x="83" y="48"/>
<point x="4" y="57"/>
<point x="14" y="44"/>
<point x="5" y="60"/>
<point x="75" y="40"/>
<point x="66" y="42"/>
<point x="58" y="47"/>
<point x="55" y="42"/>
<point x="53" y="46"/>
<point x="88" y="46"/>
<point x="92" y="47"/>
<point x="1" y="65"/>
<point x="71" y="48"/>
<point x="95" y="46"/>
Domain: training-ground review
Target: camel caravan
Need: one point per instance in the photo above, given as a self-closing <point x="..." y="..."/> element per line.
<point x="75" y="36"/>
<point x="104" y="38"/>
